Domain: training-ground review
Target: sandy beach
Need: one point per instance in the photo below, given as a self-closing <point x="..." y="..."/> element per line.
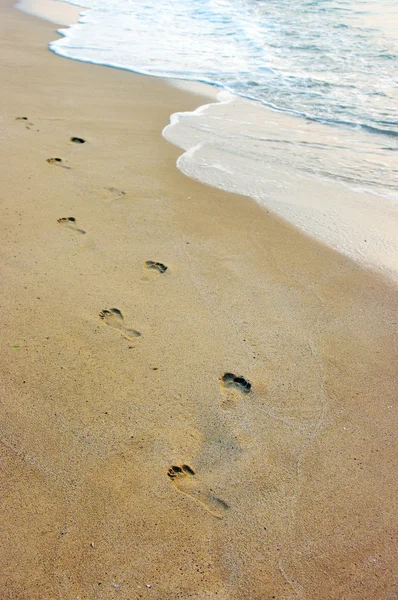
<point x="130" y="465"/>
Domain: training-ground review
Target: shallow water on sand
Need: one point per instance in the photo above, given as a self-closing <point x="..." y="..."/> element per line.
<point x="290" y="165"/>
<point x="314" y="139"/>
<point x="309" y="96"/>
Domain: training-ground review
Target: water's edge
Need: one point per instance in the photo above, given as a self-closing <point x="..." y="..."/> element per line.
<point x="348" y="220"/>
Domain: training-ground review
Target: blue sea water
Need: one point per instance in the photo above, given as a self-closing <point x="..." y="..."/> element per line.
<point x="329" y="66"/>
<point x="334" y="61"/>
<point x="330" y="61"/>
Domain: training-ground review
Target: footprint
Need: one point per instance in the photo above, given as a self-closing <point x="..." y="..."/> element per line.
<point x="70" y="223"/>
<point x="57" y="161"/>
<point x="28" y="123"/>
<point x="116" y="192"/>
<point x="24" y="119"/>
<point x="185" y="481"/>
<point x="155" y="266"/>
<point x="229" y="380"/>
<point x="77" y="140"/>
<point x="114" y="318"/>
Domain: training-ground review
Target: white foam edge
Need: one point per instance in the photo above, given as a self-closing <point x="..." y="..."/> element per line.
<point x="222" y="97"/>
<point x="328" y="222"/>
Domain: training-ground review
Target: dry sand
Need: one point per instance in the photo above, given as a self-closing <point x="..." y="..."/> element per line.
<point x="292" y="495"/>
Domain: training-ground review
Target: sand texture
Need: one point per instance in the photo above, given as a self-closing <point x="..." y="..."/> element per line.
<point x="223" y="428"/>
<point x="55" y="11"/>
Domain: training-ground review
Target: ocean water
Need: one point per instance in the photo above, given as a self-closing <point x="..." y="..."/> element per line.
<point x="308" y="94"/>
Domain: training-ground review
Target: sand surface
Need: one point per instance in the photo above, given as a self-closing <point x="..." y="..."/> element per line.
<point x="285" y="492"/>
<point x="54" y="11"/>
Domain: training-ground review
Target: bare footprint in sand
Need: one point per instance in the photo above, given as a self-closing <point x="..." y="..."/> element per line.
<point x="58" y="162"/>
<point x="155" y="266"/>
<point x="77" y="140"/>
<point x="112" y="194"/>
<point x="186" y="482"/>
<point x="116" y="193"/>
<point x="229" y="383"/>
<point x="229" y="380"/>
<point x="70" y="223"/>
<point x="28" y="124"/>
<point x="114" y="318"/>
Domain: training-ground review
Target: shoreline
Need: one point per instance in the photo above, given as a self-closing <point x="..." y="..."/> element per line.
<point x="284" y="491"/>
<point x="351" y="220"/>
<point x="345" y="217"/>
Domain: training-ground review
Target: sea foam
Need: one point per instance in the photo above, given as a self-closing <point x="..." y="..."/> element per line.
<point x="310" y="98"/>
<point x="284" y="164"/>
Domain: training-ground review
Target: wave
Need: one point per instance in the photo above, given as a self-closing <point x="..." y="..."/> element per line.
<point x="322" y="60"/>
<point x="306" y="99"/>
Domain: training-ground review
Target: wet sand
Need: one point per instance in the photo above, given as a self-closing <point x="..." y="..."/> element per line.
<point x="129" y="469"/>
<point x="54" y="11"/>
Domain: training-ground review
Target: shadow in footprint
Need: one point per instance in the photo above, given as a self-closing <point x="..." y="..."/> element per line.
<point x="155" y="266"/>
<point x="77" y="140"/>
<point x="70" y="223"/>
<point x="229" y="380"/>
<point x="57" y="161"/>
<point x="229" y="383"/>
<point x="116" y="193"/>
<point x="114" y="318"/>
<point x="185" y="481"/>
<point x="26" y="120"/>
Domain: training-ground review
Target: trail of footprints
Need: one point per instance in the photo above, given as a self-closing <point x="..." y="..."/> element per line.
<point x="183" y="477"/>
